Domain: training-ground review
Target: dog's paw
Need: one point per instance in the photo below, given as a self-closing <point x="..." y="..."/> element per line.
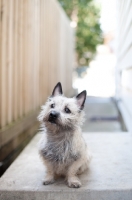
<point x="48" y="181"/>
<point x="75" y="183"/>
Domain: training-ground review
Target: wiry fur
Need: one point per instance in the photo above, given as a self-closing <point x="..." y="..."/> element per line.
<point x="62" y="147"/>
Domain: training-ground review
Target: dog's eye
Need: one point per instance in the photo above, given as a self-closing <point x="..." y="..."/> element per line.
<point x="67" y="110"/>
<point x="52" y="105"/>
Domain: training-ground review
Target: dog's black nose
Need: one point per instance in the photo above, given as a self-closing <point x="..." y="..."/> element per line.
<point x="54" y="114"/>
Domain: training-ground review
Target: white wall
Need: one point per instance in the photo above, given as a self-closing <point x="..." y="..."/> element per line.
<point x="124" y="60"/>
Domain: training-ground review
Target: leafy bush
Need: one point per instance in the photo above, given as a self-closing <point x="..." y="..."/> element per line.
<point x="88" y="31"/>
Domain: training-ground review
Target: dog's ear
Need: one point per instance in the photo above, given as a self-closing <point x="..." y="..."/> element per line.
<point x="57" y="90"/>
<point x="81" y="97"/>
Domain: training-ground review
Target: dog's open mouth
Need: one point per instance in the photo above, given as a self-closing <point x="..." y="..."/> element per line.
<point x="52" y="121"/>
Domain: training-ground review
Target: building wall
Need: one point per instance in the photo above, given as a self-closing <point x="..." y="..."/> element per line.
<point x="124" y="60"/>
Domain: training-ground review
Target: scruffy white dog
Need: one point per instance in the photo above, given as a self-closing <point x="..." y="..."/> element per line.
<point x="63" y="150"/>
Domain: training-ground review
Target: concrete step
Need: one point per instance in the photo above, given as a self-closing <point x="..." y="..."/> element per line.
<point x="108" y="178"/>
<point x="102" y="115"/>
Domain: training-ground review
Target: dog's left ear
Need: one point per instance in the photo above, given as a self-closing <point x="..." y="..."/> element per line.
<point x="81" y="97"/>
<point x="57" y="90"/>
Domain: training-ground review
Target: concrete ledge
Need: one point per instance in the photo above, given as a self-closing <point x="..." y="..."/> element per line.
<point x="126" y="115"/>
<point x="108" y="178"/>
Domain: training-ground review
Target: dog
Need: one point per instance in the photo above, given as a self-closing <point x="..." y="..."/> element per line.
<point x="62" y="148"/>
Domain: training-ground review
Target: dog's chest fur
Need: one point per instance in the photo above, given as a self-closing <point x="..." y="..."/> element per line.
<point x="60" y="152"/>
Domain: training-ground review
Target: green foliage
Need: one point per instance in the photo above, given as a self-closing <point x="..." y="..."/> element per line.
<point x="88" y="31"/>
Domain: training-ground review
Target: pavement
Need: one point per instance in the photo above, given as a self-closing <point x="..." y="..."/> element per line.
<point x="101" y="115"/>
<point x="109" y="176"/>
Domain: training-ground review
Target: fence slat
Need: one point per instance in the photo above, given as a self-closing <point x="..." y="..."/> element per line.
<point x="0" y="59"/>
<point x="4" y="64"/>
<point x="10" y="61"/>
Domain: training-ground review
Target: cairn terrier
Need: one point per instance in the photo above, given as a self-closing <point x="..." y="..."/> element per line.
<point x="63" y="149"/>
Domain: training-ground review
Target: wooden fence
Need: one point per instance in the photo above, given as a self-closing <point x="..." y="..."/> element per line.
<point x="124" y="60"/>
<point x="36" y="44"/>
<point x="36" y="51"/>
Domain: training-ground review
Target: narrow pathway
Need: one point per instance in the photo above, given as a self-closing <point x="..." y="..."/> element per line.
<point x="102" y="116"/>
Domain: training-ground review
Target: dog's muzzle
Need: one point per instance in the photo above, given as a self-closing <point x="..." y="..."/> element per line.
<point x="53" y="117"/>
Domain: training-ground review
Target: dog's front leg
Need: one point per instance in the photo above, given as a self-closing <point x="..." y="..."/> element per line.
<point x="49" y="178"/>
<point x="72" y="179"/>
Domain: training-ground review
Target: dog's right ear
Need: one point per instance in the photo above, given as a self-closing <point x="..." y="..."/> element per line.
<point x="81" y="97"/>
<point x="57" y="90"/>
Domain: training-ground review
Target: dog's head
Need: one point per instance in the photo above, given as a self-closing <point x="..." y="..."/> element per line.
<point x="61" y="113"/>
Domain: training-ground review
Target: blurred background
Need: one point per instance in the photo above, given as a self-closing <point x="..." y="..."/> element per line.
<point x="84" y="44"/>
